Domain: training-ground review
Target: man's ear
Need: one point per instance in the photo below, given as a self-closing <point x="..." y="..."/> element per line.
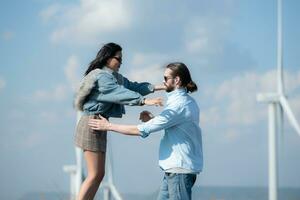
<point x="177" y="80"/>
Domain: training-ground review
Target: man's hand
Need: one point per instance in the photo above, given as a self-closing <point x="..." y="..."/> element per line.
<point x="146" y="116"/>
<point x="155" y="101"/>
<point x="99" y="124"/>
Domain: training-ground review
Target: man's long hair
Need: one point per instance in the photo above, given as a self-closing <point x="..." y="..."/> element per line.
<point x="181" y="70"/>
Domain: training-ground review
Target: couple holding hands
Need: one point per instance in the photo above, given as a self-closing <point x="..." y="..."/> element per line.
<point x="104" y="92"/>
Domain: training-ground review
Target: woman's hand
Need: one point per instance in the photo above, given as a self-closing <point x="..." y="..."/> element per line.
<point x="99" y="124"/>
<point x="155" y="101"/>
<point x="159" y="87"/>
<point x="146" y="116"/>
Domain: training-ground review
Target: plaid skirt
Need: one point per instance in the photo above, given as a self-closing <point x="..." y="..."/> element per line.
<point x="88" y="139"/>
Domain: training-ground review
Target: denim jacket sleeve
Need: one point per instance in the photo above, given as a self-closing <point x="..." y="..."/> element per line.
<point x="111" y="91"/>
<point x="143" y="88"/>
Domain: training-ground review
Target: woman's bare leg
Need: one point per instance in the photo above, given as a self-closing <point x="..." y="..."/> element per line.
<point x="96" y="168"/>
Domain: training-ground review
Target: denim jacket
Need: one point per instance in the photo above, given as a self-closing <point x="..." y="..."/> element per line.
<point x="109" y="91"/>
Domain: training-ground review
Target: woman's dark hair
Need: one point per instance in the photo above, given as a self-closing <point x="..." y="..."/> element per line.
<point x="109" y="50"/>
<point x="181" y="70"/>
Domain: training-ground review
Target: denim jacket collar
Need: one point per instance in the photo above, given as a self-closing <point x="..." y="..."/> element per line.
<point x="108" y="69"/>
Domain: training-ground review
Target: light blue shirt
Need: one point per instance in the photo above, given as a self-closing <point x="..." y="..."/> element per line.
<point x="181" y="145"/>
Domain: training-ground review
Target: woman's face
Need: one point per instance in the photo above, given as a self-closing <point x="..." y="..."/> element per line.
<point x="115" y="62"/>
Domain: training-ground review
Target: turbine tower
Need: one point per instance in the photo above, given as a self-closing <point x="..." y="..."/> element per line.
<point x="75" y="171"/>
<point x="277" y="104"/>
<point x="77" y="176"/>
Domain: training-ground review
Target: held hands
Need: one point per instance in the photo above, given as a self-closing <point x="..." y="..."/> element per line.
<point x="99" y="124"/>
<point x="155" y="101"/>
<point x="146" y="116"/>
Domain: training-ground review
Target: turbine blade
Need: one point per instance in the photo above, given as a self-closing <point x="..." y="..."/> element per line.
<point x="287" y="109"/>
<point x="115" y="192"/>
<point x="279" y="49"/>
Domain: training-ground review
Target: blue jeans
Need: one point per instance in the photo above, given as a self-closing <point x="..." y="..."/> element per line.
<point x="177" y="186"/>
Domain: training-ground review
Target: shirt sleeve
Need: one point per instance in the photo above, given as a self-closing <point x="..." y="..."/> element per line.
<point x="143" y="88"/>
<point x="111" y="91"/>
<point x="168" y="118"/>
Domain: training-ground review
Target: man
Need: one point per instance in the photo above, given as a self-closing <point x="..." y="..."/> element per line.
<point x="180" y="153"/>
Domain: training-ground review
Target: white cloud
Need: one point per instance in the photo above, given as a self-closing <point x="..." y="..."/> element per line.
<point x="59" y="93"/>
<point x="147" y="67"/>
<point x="72" y="72"/>
<point x="50" y="117"/>
<point x="231" y="135"/>
<point x="2" y="83"/>
<point x="51" y="12"/>
<point x="205" y="35"/>
<point x="88" y="20"/>
<point x="7" y="35"/>
<point x="33" y="139"/>
<point x="210" y="116"/>
<point x="234" y="101"/>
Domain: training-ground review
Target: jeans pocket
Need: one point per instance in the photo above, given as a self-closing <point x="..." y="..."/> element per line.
<point x="191" y="179"/>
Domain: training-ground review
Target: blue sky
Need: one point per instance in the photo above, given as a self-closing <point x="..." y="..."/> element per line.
<point x="229" y="46"/>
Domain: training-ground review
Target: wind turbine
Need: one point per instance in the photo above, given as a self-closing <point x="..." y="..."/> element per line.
<point x="75" y="171"/>
<point x="277" y="103"/>
<point x="108" y="186"/>
<point x="77" y="176"/>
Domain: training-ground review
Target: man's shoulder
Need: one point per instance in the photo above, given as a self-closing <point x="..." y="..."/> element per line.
<point x="187" y="102"/>
<point x="175" y="105"/>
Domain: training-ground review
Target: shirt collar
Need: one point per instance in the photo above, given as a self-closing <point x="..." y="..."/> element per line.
<point x="176" y="92"/>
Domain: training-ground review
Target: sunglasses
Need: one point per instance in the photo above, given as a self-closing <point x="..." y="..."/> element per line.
<point x="167" y="78"/>
<point x="118" y="59"/>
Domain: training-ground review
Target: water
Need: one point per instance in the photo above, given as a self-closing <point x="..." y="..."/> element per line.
<point x="229" y="193"/>
<point x="243" y="193"/>
<point x="199" y="193"/>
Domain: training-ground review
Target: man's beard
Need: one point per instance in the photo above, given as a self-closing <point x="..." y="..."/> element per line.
<point x="169" y="88"/>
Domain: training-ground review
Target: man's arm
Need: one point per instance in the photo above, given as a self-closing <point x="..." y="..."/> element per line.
<point x="166" y="119"/>
<point x="103" y="124"/>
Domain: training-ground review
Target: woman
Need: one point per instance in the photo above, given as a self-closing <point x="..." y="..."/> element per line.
<point x="104" y="91"/>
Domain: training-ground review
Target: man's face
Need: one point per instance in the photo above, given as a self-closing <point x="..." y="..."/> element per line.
<point x="169" y="80"/>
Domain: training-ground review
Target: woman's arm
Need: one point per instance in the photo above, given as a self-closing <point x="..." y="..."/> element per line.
<point x="142" y="88"/>
<point x="159" y="87"/>
<point x="111" y="91"/>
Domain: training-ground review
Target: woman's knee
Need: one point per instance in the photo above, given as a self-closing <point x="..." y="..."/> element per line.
<point x="96" y="178"/>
